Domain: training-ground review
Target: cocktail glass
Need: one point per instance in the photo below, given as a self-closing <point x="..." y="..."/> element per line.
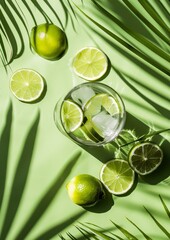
<point x="103" y="111"/>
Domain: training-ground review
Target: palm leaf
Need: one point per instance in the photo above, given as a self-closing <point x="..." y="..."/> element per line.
<point x="143" y="233"/>
<point x="20" y="179"/>
<point x="126" y="44"/>
<point x="4" y="149"/>
<point x="126" y="233"/>
<point x="13" y="18"/>
<point x="47" y="198"/>
<point x="164" y="230"/>
<point x="165" y="206"/>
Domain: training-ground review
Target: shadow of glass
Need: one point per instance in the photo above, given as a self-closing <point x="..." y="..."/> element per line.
<point x="47" y="198"/>
<point x="20" y="179"/>
<point x="108" y="151"/>
<point x="50" y="233"/>
<point x="4" y="146"/>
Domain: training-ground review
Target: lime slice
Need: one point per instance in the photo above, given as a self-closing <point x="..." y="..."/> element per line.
<point x="103" y="112"/>
<point x="145" y="157"/>
<point x="26" y="85"/>
<point x="100" y="102"/>
<point x="90" y="63"/>
<point x="71" y="115"/>
<point x="117" y="176"/>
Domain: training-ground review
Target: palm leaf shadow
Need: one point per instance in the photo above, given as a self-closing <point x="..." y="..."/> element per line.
<point x="4" y="149"/>
<point x="59" y="227"/>
<point x="47" y="198"/>
<point x="20" y="178"/>
<point x="124" y="43"/>
<point x="11" y="28"/>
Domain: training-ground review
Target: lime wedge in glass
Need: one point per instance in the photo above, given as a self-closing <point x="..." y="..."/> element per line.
<point x="27" y="85"/>
<point x="71" y="115"/>
<point x="90" y="63"/>
<point x="117" y="176"/>
<point x="145" y="157"/>
<point x="103" y="112"/>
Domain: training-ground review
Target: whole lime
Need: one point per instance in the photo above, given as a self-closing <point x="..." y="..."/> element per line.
<point x="48" y="41"/>
<point x="85" y="190"/>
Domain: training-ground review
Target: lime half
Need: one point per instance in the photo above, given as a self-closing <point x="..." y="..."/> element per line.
<point x="27" y="85"/>
<point x="90" y="63"/>
<point x="71" y="115"/>
<point x="145" y="157"/>
<point x="117" y="176"/>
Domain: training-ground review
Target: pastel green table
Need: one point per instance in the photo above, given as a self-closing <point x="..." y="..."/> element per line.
<point x="37" y="161"/>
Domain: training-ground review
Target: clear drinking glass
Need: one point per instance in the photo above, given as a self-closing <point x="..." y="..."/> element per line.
<point x="103" y="111"/>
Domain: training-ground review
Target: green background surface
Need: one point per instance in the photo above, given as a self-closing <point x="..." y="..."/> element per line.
<point x="27" y="175"/>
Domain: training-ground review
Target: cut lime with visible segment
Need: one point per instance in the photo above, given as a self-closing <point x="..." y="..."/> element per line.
<point x="90" y="63"/>
<point x="27" y="85"/>
<point x="117" y="176"/>
<point x="100" y="102"/>
<point x="145" y="157"/>
<point x="103" y="112"/>
<point x="71" y="115"/>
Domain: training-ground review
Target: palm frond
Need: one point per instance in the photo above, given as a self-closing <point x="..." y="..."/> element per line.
<point x="4" y="148"/>
<point x="86" y="229"/>
<point x="164" y="230"/>
<point x="165" y="206"/>
<point x="143" y="233"/>
<point x="47" y="198"/>
<point x="161" y="65"/>
<point x="18" y="185"/>
<point x="126" y="233"/>
<point x="97" y="232"/>
<point x="13" y="19"/>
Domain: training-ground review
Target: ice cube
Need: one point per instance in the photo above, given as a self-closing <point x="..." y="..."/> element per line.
<point x="105" y="124"/>
<point x="82" y="95"/>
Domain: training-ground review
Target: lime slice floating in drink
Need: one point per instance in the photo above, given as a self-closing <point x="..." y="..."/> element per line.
<point x="99" y="102"/>
<point x="103" y="112"/>
<point x="90" y="63"/>
<point x="145" y="157"/>
<point x="71" y="115"/>
<point x="117" y="176"/>
<point x="27" y="85"/>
